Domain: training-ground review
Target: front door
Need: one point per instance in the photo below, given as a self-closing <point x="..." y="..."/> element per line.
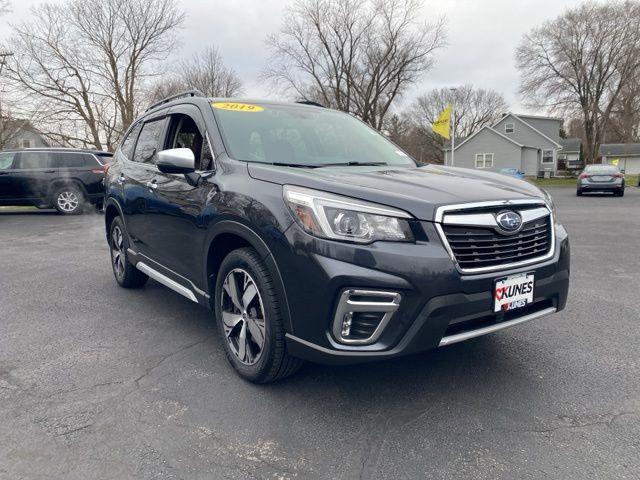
<point x="33" y="175"/>
<point x="178" y="227"/>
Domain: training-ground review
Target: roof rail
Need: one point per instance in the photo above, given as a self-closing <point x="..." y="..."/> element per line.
<point x="309" y="102"/>
<point x="189" y="93"/>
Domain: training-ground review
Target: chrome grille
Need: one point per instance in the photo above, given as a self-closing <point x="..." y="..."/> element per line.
<point x="477" y="244"/>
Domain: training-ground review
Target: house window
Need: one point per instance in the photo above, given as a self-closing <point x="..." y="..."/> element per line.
<point x="484" y="160"/>
<point x="509" y="127"/>
<point x="547" y="156"/>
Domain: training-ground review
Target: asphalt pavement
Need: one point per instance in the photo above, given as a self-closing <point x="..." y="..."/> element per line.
<point x="98" y="382"/>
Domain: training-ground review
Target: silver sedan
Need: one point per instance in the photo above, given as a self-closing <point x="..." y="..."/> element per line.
<point x="601" y="178"/>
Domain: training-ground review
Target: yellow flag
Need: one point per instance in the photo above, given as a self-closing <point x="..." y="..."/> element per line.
<point x="442" y="123"/>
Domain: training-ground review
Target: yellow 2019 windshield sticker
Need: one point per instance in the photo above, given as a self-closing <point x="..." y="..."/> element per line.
<point x="237" y="107"/>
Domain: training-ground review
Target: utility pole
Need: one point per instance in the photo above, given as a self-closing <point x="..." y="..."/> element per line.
<point x="453" y="125"/>
<point x="3" y="59"/>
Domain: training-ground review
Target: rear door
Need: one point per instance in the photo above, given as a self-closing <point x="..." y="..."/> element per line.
<point x="139" y="181"/>
<point x="83" y="168"/>
<point x="7" y="184"/>
<point x="33" y="175"/>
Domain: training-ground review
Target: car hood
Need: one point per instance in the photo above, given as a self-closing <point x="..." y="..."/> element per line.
<point x="419" y="191"/>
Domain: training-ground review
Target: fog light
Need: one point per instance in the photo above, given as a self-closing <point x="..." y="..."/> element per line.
<point x="346" y="324"/>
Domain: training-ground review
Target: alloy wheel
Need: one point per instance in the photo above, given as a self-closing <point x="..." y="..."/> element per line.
<point x="117" y="252"/>
<point x="243" y="316"/>
<point x="68" y="201"/>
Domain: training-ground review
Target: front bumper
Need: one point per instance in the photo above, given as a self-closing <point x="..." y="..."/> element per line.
<point x="437" y="301"/>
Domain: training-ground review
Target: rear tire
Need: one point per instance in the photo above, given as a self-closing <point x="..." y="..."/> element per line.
<point x="249" y="319"/>
<point x="68" y="200"/>
<point x="127" y="275"/>
<point x="620" y="192"/>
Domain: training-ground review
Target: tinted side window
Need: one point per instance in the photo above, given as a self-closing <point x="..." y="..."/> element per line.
<point x="74" y="160"/>
<point x="6" y="160"/>
<point x="34" y="160"/>
<point x="126" y="147"/>
<point x="105" y="158"/>
<point x="149" y="142"/>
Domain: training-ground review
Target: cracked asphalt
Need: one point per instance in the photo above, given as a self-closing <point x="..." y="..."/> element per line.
<point x="97" y="382"/>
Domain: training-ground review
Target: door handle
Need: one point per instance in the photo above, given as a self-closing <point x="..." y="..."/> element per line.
<point x="49" y="171"/>
<point x="152" y="184"/>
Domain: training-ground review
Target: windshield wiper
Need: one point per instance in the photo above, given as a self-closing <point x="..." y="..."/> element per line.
<point x="337" y="164"/>
<point x="354" y="164"/>
<point x="297" y="165"/>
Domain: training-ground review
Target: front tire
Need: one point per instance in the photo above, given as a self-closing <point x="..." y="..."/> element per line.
<point x="127" y="275"/>
<point x="249" y="319"/>
<point x="68" y="200"/>
<point x="579" y="192"/>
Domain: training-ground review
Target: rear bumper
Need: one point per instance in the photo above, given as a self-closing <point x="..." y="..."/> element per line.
<point x="601" y="187"/>
<point x="439" y="306"/>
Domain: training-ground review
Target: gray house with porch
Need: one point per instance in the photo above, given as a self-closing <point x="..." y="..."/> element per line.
<point x="527" y="142"/>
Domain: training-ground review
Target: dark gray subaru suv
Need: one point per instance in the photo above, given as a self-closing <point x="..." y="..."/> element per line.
<point x="312" y="237"/>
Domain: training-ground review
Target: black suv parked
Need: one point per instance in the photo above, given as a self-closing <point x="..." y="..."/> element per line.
<point x="313" y="237"/>
<point x="49" y="177"/>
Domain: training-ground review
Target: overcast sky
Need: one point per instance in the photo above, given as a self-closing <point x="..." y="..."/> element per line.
<point x="482" y="36"/>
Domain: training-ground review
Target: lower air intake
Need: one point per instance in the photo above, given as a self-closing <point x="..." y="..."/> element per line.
<point x="362" y="315"/>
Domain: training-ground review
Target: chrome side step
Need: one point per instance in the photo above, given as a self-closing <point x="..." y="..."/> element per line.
<point x="461" y="337"/>
<point x="166" y="281"/>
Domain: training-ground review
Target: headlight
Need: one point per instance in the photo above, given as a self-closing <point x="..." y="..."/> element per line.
<point x="342" y="218"/>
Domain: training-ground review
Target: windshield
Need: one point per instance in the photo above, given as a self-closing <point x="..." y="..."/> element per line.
<point x="602" y="169"/>
<point x="302" y="136"/>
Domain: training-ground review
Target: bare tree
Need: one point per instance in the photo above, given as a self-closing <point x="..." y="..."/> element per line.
<point x="624" y="124"/>
<point x="205" y="71"/>
<point x="163" y="87"/>
<point x="10" y="128"/>
<point x="208" y="73"/>
<point x="5" y="6"/>
<point x="474" y="108"/>
<point x="580" y="63"/>
<point x="126" y="35"/>
<point x="80" y="64"/>
<point x="53" y="71"/>
<point x="355" y="55"/>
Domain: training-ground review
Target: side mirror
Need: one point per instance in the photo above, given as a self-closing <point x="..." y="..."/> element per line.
<point x="176" y="160"/>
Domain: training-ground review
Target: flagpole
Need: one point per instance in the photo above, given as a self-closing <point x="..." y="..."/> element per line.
<point x="453" y="125"/>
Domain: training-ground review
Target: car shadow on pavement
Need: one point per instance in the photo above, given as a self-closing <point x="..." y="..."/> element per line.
<point x="499" y="360"/>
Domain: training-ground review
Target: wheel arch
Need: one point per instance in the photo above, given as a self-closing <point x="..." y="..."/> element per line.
<point x="229" y="235"/>
<point x="112" y="209"/>
<point x="62" y="182"/>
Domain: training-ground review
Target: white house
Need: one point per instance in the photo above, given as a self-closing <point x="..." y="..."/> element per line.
<point x="624" y="155"/>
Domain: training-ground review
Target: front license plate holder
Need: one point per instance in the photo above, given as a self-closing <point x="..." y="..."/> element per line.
<point x="513" y="292"/>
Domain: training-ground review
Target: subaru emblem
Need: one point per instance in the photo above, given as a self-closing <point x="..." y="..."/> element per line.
<point x="509" y="222"/>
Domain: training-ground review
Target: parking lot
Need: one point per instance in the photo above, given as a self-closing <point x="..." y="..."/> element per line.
<point x="105" y="383"/>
